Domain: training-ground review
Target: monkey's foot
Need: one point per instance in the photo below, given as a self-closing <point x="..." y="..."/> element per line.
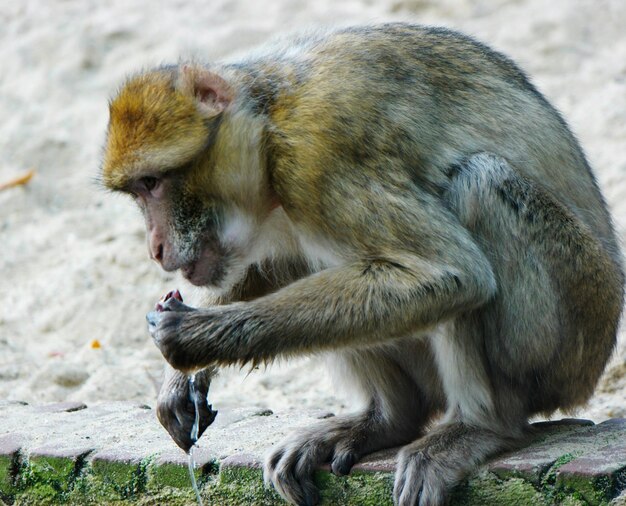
<point x="340" y="441"/>
<point x="420" y="479"/>
<point x="429" y="467"/>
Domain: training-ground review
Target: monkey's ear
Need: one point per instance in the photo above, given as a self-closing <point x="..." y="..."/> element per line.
<point x="211" y="92"/>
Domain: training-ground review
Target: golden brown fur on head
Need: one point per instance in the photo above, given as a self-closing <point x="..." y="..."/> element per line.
<point x="151" y="123"/>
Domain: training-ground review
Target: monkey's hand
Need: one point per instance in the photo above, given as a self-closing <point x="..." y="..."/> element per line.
<point x="175" y="407"/>
<point x="191" y="339"/>
<point x="164" y="327"/>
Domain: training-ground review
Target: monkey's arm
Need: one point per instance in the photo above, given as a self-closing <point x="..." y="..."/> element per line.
<point x="412" y="265"/>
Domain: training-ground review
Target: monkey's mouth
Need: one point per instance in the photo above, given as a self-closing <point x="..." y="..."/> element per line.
<point x="206" y="270"/>
<point x="188" y="272"/>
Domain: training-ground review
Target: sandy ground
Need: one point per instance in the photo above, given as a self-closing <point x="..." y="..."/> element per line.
<point x="73" y="261"/>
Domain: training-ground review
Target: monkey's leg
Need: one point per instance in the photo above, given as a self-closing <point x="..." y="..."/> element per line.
<point x="474" y="426"/>
<point x="396" y="412"/>
<point x="489" y="352"/>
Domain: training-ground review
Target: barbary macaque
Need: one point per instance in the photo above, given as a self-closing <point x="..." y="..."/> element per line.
<point x="398" y="197"/>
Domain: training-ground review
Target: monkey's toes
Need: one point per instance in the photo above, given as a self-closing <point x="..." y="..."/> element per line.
<point x="342" y="463"/>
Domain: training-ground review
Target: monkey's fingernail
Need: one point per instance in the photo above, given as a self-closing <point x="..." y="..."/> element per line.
<point x="176" y="294"/>
<point x="159" y="307"/>
<point x="342" y="465"/>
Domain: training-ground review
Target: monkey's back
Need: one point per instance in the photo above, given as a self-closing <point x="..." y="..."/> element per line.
<point x="418" y="99"/>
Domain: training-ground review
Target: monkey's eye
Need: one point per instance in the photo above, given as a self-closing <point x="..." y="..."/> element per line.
<point x="150" y="183"/>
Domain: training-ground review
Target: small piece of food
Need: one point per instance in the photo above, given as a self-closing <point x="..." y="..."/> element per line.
<point x="95" y="344"/>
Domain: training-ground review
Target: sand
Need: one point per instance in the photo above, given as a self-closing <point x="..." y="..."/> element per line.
<point x="73" y="261"/>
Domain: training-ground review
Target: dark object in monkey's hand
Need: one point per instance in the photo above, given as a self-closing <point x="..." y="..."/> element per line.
<point x="177" y="407"/>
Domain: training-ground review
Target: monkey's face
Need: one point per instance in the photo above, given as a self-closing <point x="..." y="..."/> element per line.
<point x="182" y="229"/>
<point x="208" y="240"/>
<point x="174" y="144"/>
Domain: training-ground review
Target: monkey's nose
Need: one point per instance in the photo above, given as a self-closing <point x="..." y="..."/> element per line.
<point x="156" y="251"/>
<point x="155" y="244"/>
<point x="158" y="254"/>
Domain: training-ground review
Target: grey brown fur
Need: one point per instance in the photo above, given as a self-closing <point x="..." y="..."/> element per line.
<point x="402" y="198"/>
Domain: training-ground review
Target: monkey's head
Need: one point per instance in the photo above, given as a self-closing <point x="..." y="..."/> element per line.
<point x="179" y="144"/>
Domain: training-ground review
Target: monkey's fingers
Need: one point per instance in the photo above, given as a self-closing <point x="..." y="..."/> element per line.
<point x="155" y="318"/>
<point x="165" y="328"/>
<point x="173" y="294"/>
<point x="174" y="304"/>
<point x="166" y="341"/>
<point x="289" y="470"/>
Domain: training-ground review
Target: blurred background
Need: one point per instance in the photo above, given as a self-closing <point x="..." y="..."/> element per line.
<point x="75" y="277"/>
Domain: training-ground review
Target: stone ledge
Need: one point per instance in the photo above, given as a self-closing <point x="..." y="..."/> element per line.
<point x="117" y="453"/>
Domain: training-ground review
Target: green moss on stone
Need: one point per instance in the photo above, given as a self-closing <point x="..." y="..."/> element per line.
<point x="549" y="479"/>
<point x="175" y="475"/>
<point x="597" y="492"/>
<point x="122" y="479"/>
<point x="7" y="468"/>
<point x="167" y="496"/>
<point x="360" y="488"/>
<point x="56" y="466"/>
<point x="171" y="475"/>
<point x="240" y="486"/>
<point x="147" y="484"/>
<point x="489" y="490"/>
<point x="48" y="480"/>
<point x="116" y="474"/>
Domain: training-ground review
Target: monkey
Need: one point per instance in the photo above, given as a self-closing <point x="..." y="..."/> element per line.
<point x="397" y="197"/>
